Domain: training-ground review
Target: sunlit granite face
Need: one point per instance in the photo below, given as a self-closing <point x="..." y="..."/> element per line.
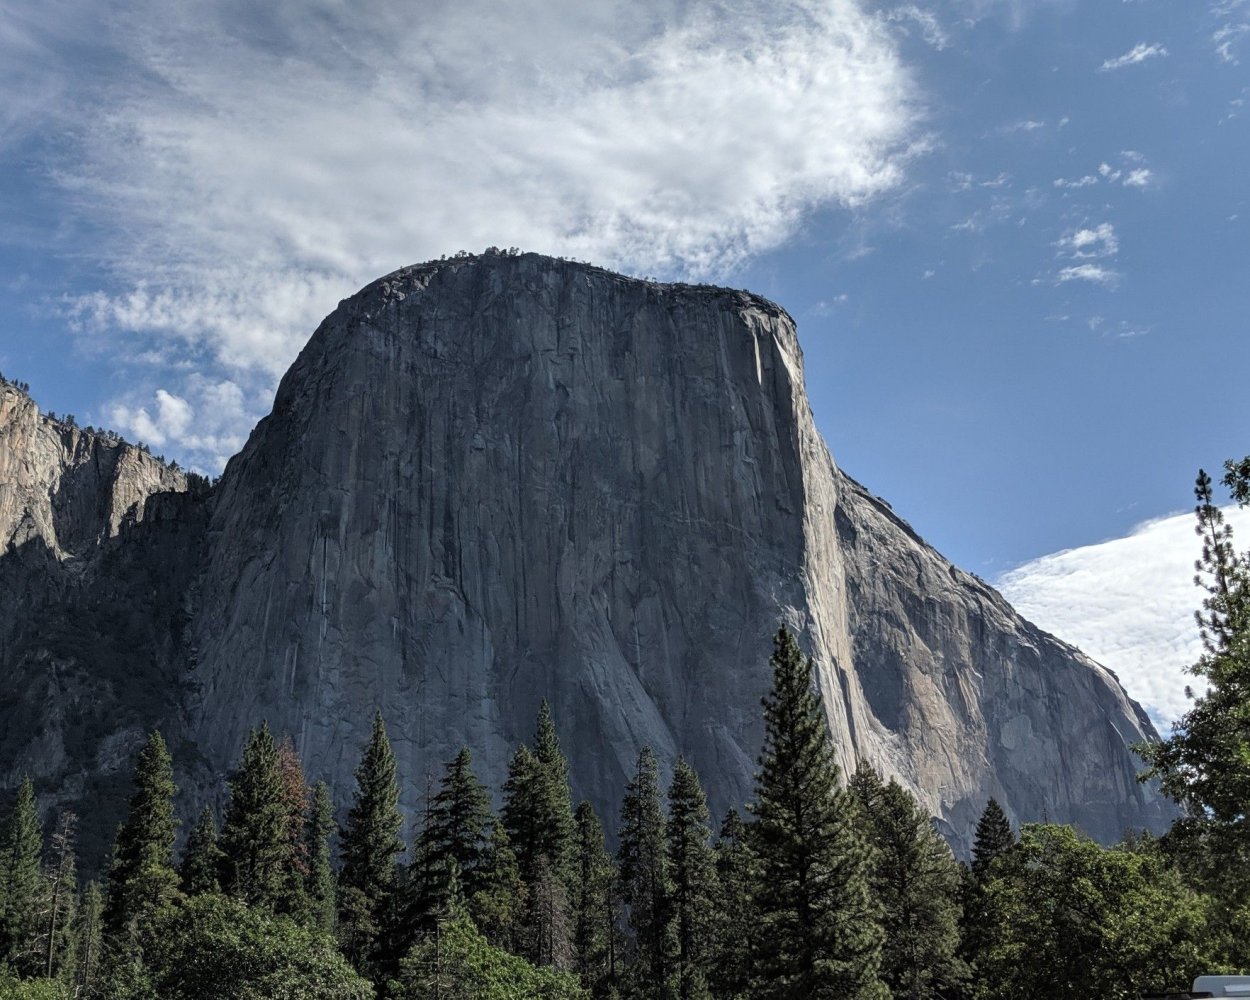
<point x="493" y="480"/>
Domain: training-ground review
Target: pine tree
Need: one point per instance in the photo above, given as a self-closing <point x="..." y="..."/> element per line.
<point x="993" y="838"/>
<point x="819" y="936"/>
<point x="521" y="813"/>
<point x="202" y="860"/>
<point x="141" y="880"/>
<point x="593" y="905"/>
<point x="865" y="788"/>
<point x="22" y="886"/>
<point x="692" y="872"/>
<point x="732" y="965"/>
<point x="558" y="800"/>
<point x="536" y="797"/>
<point x="254" y="837"/>
<point x="547" y="924"/>
<point x="538" y="809"/>
<point x="294" y="896"/>
<point x="500" y="902"/>
<point x="458" y="827"/>
<point x="370" y="847"/>
<point x="320" y="884"/>
<point x="916" y="880"/>
<point x="61" y="879"/>
<point x="89" y="941"/>
<point x="645" y="886"/>
<point x="1204" y="765"/>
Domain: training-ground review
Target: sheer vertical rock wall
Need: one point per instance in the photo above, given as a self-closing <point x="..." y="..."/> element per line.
<point x="494" y="480"/>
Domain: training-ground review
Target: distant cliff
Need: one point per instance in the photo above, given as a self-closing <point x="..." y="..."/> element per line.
<point x="493" y="480"/>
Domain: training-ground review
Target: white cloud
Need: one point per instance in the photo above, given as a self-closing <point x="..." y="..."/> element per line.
<point x="1139" y="53"/>
<point x="1080" y="182"/>
<point x="1142" y="177"/>
<point x="1090" y="242"/>
<point x="1094" y="273"/>
<point x="1128" y="603"/>
<point x="241" y="169"/>
<point x="170" y="420"/>
<point x="209" y="426"/>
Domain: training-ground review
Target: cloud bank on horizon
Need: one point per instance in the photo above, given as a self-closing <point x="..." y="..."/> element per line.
<point x="243" y="167"/>
<point x="1129" y="603"/>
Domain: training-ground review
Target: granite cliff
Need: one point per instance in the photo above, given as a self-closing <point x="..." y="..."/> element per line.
<point x="492" y="480"/>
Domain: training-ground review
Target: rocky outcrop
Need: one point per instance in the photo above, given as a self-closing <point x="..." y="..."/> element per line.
<point x="67" y="487"/>
<point x="494" y="480"/>
<point x="98" y="547"/>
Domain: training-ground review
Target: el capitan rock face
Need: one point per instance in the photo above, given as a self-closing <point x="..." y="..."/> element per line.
<point x="493" y="480"/>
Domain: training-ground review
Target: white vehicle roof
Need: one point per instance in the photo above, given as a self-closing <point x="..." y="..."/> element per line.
<point x="1223" y="986"/>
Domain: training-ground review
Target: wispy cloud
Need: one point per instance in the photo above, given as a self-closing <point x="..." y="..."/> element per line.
<point x="1139" y="53"/>
<point x="1025" y="125"/>
<point x="1094" y="273"/>
<point x="241" y="169"/>
<point x="931" y="29"/>
<point x="1234" y="24"/>
<point x="1128" y="603"/>
<point x="1082" y="253"/>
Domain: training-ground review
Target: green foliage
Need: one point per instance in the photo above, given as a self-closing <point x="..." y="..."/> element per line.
<point x="370" y="846"/>
<point x="646" y="889"/>
<point x="457" y="963"/>
<point x="22" y="886"/>
<point x="692" y="874"/>
<point x="1205" y="764"/>
<point x="547" y="932"/>
<point x="293" y="896"/>
<point x="916" y="881"/>
<point x="819" y="935"/>
<point x="593" y="903"/>
<point x="141" y="880"/>
<point x="12" y="988"/>
<point x="736" y="914"/>
<point x="538" y="816"/>
<point x="255" y="835"/>
<point x="203" y="859"/>
<point x="212" y="947"/>
<point x="557" y="801"/>
<point x="1068" y="920"/>
<point x="538" y="810"/>
<point x="320" y="887"/>
<point x="89" y="941"/>
<point x="499" y="904"/>
<point x="57" y="939"/>
<point x="994" y="838"/>
<point x="457" y="830"/>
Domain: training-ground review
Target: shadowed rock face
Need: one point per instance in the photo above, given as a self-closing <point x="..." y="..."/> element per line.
<point x="98" y="548"/>
<point x="495" y="480"/>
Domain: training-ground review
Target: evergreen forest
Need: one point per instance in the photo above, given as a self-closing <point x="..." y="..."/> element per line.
<point x="826" y="886"/>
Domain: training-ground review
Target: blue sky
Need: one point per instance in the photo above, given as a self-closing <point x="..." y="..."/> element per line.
<point x="1013" y="235"/>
